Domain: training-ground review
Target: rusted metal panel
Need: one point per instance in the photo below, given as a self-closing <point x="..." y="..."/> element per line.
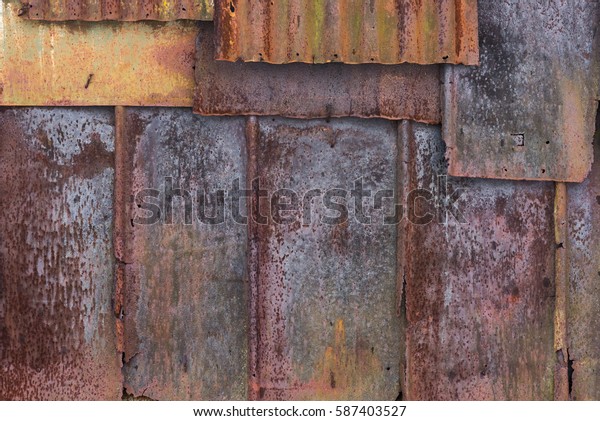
<point x="57" y="328"/>
<point x="123" y="10"/>
<point x="185" y="309"/>
<point x="347" y="31"/>
<point x="528" y="111"/>
<point x="325" y="324"/>
<point x="584" y="293"/>
<point x="145" y="63"/>
<point x="306" y="91"/>
<point x="479" y="294"/>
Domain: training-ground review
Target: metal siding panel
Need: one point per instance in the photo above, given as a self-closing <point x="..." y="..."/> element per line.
<point x="57" y="328"/>
<point x="479" y="294"/>
<point x="584" y="259"/>
<point x="347" y="31"/>
<point x="184" y="292"/>
<point x="122" y="10"/>
<point x="78" y="63"/>
<point x="539" y="75"/>
<point x="306" y="91"/>
<point x="325" y="324"/>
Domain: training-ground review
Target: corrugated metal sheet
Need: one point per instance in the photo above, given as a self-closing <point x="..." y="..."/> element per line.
<point x="123" y="10"/>
<point x="324" y="323"/>
<point x="145" y="63"/>
<point x="479" y="295"/>
<point x="584" y="293"/>
<point x="528" y="111"/>
<point x="184" y="306"/>
<point x="307" y="91"/>
<point x="348" y="31"/>
<point x="57" y="330"/>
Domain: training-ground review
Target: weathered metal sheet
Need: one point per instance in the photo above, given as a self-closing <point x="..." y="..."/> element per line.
<point x="479" y="294"/>
<point x="306" y="91"/>
<point x="184" y="307"/>
<point x="584" y="294"/>
<point x="528" y="111"/>
<point x="57" y="328"/>
<point x="347" y="31"/>
<point x="78" y="63"/>
<point x="123" y="10"/>
<point x="324" y="322"/>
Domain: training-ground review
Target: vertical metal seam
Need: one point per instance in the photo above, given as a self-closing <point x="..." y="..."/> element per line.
<point x="561" y="374"/>
<point x="403" y="185"/>
<point x="120" y="219"/>
<point x="252" y="259"/>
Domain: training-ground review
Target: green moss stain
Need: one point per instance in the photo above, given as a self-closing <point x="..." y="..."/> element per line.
<point x="315" y="23"/>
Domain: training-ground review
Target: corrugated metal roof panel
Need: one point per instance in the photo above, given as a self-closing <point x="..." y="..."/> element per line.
<point x="306" y="91"/>
<point x="123" y="10"/>
<point x="479" y="292"/>
<point x="82" y="63"/>
<point x="528" y="111"/>
<point x="185" y="308"/>
<point x="348" y="31"/>
<point x="327" y="329"/>
<point x="57" y="326"/>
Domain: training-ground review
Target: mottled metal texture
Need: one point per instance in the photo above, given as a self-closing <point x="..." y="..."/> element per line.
<point x="57" y="330"/>
<point x="185" y="307"/>
<point x="479" y="294"/>
<point x="528" y="111"/>
<point x="584" y="293"/>
<point x="326" y="325"/>
<point x="144" y="63"/>
<point x="347" y="31"/>
<point x="306" y="91"/>
<point x="122" y="10"/>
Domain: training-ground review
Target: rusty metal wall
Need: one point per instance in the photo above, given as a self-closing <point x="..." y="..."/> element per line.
<point x="502" y="306"/>
<point x="347" y="31"/>
<point x="183" y="281"/>
<point x="479" y="294"/>
<point x="324" y="318"/>
<point x="78" y="63"/>
<point x="528" y="111"/>
<point x="305" y="91"/>
<point x="57" y="328"/>
<point x="584" y="274"/>
<point x="123" y="10"/>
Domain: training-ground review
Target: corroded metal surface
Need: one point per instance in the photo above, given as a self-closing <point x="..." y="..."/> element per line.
<point x="326" y="325"/>
<point x="185" y="309"/>
<point x="123" y="10"/>
<point x="584" y="293"/>
<point x="57" y="330"/>
<point x="528" y="111"/>
<point x="307" y="91"/>
<point x="144" y="63"/>
<point x="479" y="294"/>
<point x="347" y="31"/>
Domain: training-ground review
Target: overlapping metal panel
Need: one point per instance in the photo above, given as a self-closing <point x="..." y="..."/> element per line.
<point x="123" y="10"/>
<point x="87" y="64"/>
<point x="348" y="31"/>
<point x="528" y="111"/>
<point x="479" y="294"/>
<point x="584" y="275"/>
<point x="306" y="91"/>
<point x="324" y="320"/>
<point x="57" y="328"/>
<point x="184" y="295"/>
